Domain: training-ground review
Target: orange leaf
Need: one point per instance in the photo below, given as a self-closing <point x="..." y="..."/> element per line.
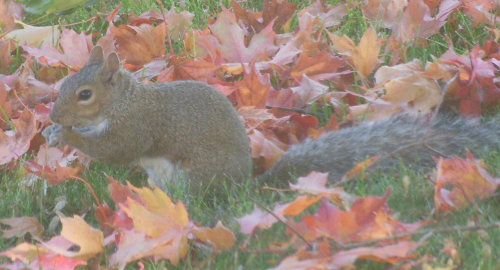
<point x="468" y="180"/>
<point x="220" y="237"/>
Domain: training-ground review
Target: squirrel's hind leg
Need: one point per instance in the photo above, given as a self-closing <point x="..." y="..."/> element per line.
<point x="160" y="171"/>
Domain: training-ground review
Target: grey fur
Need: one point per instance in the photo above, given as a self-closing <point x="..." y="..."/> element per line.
<point x="412" y="140"/>
<point x="188" y="123"/>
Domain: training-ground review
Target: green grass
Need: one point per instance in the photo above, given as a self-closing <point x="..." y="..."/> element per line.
<point x="477" y="250"/>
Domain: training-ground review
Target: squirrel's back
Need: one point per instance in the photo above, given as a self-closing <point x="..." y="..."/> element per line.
<point x="412" y="140"/>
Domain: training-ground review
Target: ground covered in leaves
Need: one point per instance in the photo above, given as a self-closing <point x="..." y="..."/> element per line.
<point x="294" y="70"/>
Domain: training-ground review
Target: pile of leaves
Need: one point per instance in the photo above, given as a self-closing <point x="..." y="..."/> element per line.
<point x="291" y="77"/>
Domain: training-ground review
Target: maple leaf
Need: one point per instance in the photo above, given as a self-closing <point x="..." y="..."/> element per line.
<point x="405" y="86"/>
<point x="76" y="48"/>
<point x="479" y="11"/>
<point x="75" y="231"/>
<point x="274" y="11"/>
<point x="230" y="41"/>
<point x="136" y="45"/>
<point x="387" y="13"/>
<point x="329" y="15"/>
<point x="266" y="148"/>
<point x="29" y="256"/>
<point x="163" y="223"/>
<point x="317" y="66"/>
<point x="417" y="22"/>
<point x="474" y="85"/>
<point x="199" y="70"/>
<point x="252" y="90"/>
<point x="468" y="181"/>
<point x="365" y="55"/>
<point x="308" y="91"/>
<point x="178" y="23"/>
<point x="368" y="218"/>
<point x="14" y="143"/>
<point x="219" y="236"/>
<point x="19" y="226"/>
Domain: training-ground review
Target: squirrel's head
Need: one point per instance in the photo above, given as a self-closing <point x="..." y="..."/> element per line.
<point x="85" y="95"/>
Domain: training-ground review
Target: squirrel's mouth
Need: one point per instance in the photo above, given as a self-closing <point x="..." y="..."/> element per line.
<point x="94" y="130"/>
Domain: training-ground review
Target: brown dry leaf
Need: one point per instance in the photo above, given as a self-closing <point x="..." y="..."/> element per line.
<point x="253" y="90"/>
<point x="254" y="117"/>
<point x="386" y="12"/>
<point x="315" y="184"/>
<point x="405" y="86"/>
<point x="137" y="45"/>
<point x="266" y="148"/>
<point x="75" y="231"/>
<point x="329" y="15"/>
<point x="468" y="179"/>
<point x="308" y="91"/>
<point x="180" y="69"/>
<point x="365" y="55"/>
<point x="35" y="35"/>
<point x="220" y="237"/>
<point x="278" y="12"/>
<point x="417" y="23"/>
<point x="19" y="226"/>
<point x="178" y="23"/>
<point x="480" y="11"/>
<point x="319" y="66"/>
<point x="14" y="143"/>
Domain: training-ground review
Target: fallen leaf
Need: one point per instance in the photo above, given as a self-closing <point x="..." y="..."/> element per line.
<point x="405" y="86"/>
<point x="274" y="11"/>
<point x="75" y="231"/>
<point x="220" y="237"/>
<point x="29" y="256"/>
<point x="329" y="15"/>
<point x="230" y="41"/>
<point x="19" y="226"/>
<point x="14" y="143"/>
<point x="459" y="182"/>
<point x="136" y="45"/>
<point x="35" y="35"/>
<point x="365" y="55"/>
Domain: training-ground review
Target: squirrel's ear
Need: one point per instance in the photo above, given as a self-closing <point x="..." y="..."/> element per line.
<point x="96" y="54"/>
<point x="111" y="65"/>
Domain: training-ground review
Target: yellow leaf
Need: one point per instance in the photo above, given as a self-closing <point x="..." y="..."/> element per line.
<point x="35" y="35"/>
<point x="77" y="231"/>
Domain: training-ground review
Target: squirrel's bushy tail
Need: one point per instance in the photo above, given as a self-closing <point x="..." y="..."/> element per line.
<point x="412" y="140"/>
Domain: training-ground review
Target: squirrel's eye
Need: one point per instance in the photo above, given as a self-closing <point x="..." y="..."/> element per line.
<point x="84" y="94"/>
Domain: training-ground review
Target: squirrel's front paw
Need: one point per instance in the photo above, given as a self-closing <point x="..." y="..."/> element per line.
<point x="53" y="135"/>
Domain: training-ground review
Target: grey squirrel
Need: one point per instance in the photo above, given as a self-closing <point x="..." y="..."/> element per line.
<point x="169" y="129"/>
<point x="188" y="127"/>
